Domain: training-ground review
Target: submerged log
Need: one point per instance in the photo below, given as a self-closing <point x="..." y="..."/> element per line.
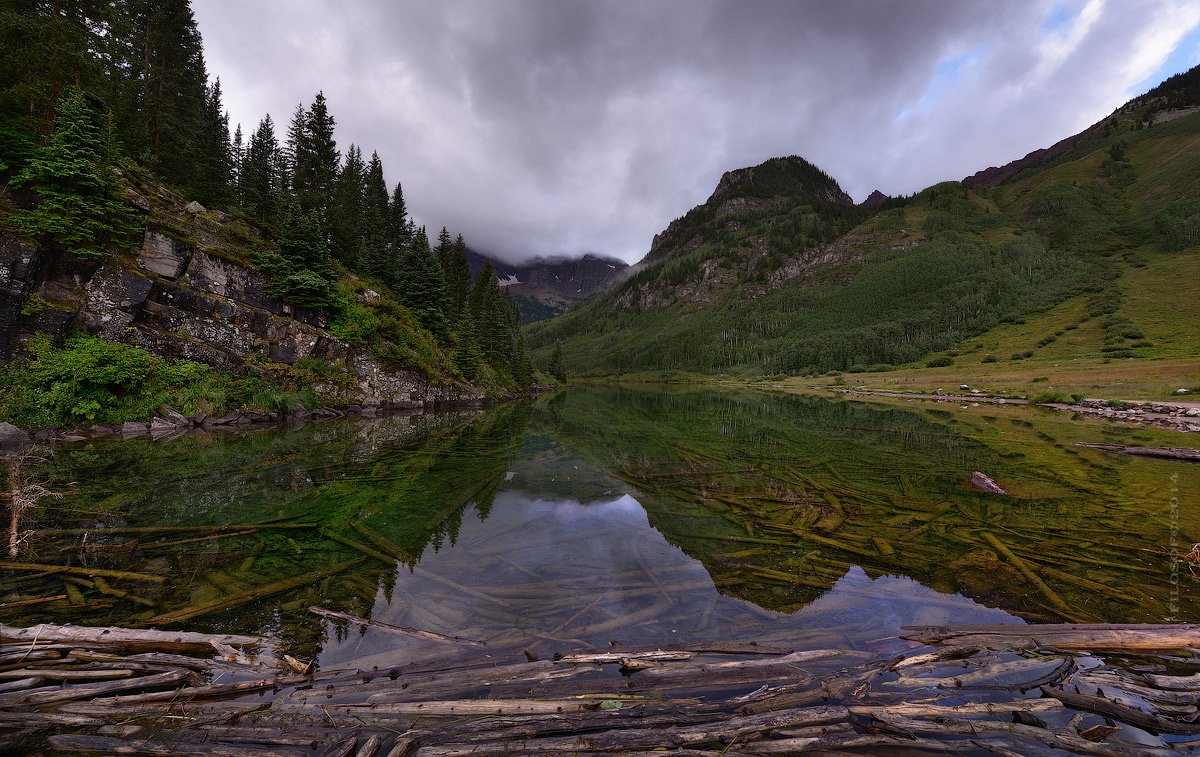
<point x="249" y="595"/>
<point x="428" y="635"/>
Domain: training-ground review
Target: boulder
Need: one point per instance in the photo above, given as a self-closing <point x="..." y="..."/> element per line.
<point x="195" y="207"/>
<point x="174" y="417"/>
<point x="12" y="437"/>
<point x="986" y="484"/>
<point x="131" y="428"/>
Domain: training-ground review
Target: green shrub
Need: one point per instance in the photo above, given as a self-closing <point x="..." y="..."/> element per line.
<point x="1045" y="398"/>
<point x="989" y="359"/>
<point x="941" y="361"/>
<point x="1017" y="356"/>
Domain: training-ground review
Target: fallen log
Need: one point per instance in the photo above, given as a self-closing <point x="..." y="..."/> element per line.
<point x="1186" y="454"/>
<point x="1121" y="712"/>
<point x="126" y="637"/>
<point x="1116" y="637"/>
<point x="110" y="745"/>
<point x="90" y="690"/>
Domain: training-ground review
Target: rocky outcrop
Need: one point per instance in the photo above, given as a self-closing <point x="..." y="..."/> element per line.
<point x="875" y="198"/>
<point x="177" y="298"/>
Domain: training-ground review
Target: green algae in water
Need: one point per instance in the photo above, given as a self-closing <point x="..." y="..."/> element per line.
<point x="643" y="515"/>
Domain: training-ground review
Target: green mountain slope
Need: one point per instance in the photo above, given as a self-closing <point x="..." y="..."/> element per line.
<point x="779" y="273"/>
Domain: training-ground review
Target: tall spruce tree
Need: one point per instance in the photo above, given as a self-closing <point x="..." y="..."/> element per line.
<point x="347" y="210"/>
<point x="558" y="369"/>
<point x="458" y="279"/>
<point x="467" y="357"/>
<point x="420" y="287"/>
<point x="81" y="204"/>
<point x="237" y="154"/>
<point x="314" y="156"/>
<point x="378" y="259"/>
<point x="212" y="179"/>
<point x="259" y="179"/>
<point x="399" y="230"/>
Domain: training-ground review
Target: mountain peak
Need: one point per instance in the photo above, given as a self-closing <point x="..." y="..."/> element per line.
<point x="875" y="198"/>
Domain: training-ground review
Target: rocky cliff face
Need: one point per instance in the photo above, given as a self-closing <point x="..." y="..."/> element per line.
<point x="180" y="297"/>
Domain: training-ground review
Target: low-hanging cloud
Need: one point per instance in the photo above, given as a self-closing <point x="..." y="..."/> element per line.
<point x="564" y="126"/>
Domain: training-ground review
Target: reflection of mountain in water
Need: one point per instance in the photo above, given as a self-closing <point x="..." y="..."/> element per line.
<point x="779" y="496"/>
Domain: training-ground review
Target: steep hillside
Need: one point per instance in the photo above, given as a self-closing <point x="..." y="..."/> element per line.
<point x="790" y="278"/>
<point x="546" y="287"/>
<point x="191" y="317"/>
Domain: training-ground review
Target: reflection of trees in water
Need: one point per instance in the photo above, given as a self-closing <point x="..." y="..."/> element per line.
<point x="401" y="479"/>
<point x="779" y="495"/>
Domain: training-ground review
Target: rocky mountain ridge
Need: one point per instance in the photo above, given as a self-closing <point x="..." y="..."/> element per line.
<point x="546" y="286"/>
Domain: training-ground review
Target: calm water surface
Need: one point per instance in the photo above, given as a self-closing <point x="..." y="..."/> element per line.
<point x="642" y="516"/>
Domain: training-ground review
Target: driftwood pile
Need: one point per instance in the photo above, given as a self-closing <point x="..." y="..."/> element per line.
<point x="1009" y="690"/>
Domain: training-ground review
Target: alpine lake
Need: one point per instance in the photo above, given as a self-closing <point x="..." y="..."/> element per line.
<point x="647" y="515"/>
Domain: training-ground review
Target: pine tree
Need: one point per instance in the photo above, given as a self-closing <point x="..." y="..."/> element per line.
<point x="399" y="231"/>
<point x="420" y="287"/>
<point x="237" y="153"/>
<point x="443" y="249"/>
<point x="259" y="176"/>
<point x="557" y="368"/>
<point x="81" y="204"/>
<point x="212" y="178"/>
<point x="314" y="157"/>
<point x="522" y="370"/>
<point x="467" y="358"/>
<point x="346" y="212"/>
<point x="375" y="196"/>
<point x="458" y="279"/>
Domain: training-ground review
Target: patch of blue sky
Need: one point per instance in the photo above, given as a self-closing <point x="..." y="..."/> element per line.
<point x="946" y="72"/>
<point x="1059" y="18"/>
<point x="1186" y="55"/>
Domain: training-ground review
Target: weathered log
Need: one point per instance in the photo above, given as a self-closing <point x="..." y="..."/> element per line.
<point x="1186" y="454"/>
<point x="699" y="647"/>
<point x="127" y="637"/>
<point x="109" y="745"/>
<point x="1118" y="637"/>
<point x="402" y="747"/>
<point x="342" y="748"/>
<point x="91" y="690"/>
<point x="428" y="635"/>
<point x="1121" y="712"/>
<point x="643" y="739"/>
<point x="1057" y="738"/>
<point x="370" y="747"/>
<point x="18" y="685"/>
<point x="187" y="693"/>
<point x="1185" y="683"/>
<point x="68" y="675"/>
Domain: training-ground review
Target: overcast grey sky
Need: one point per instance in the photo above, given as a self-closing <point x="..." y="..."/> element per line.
<point x="565" y="127"/>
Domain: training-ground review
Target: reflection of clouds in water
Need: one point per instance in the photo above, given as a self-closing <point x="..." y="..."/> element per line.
<point x="547" y="559"/>
<point x="895" y="601"/>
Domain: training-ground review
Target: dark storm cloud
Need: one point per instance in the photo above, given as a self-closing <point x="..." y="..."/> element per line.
<point x="554" y="126"/>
